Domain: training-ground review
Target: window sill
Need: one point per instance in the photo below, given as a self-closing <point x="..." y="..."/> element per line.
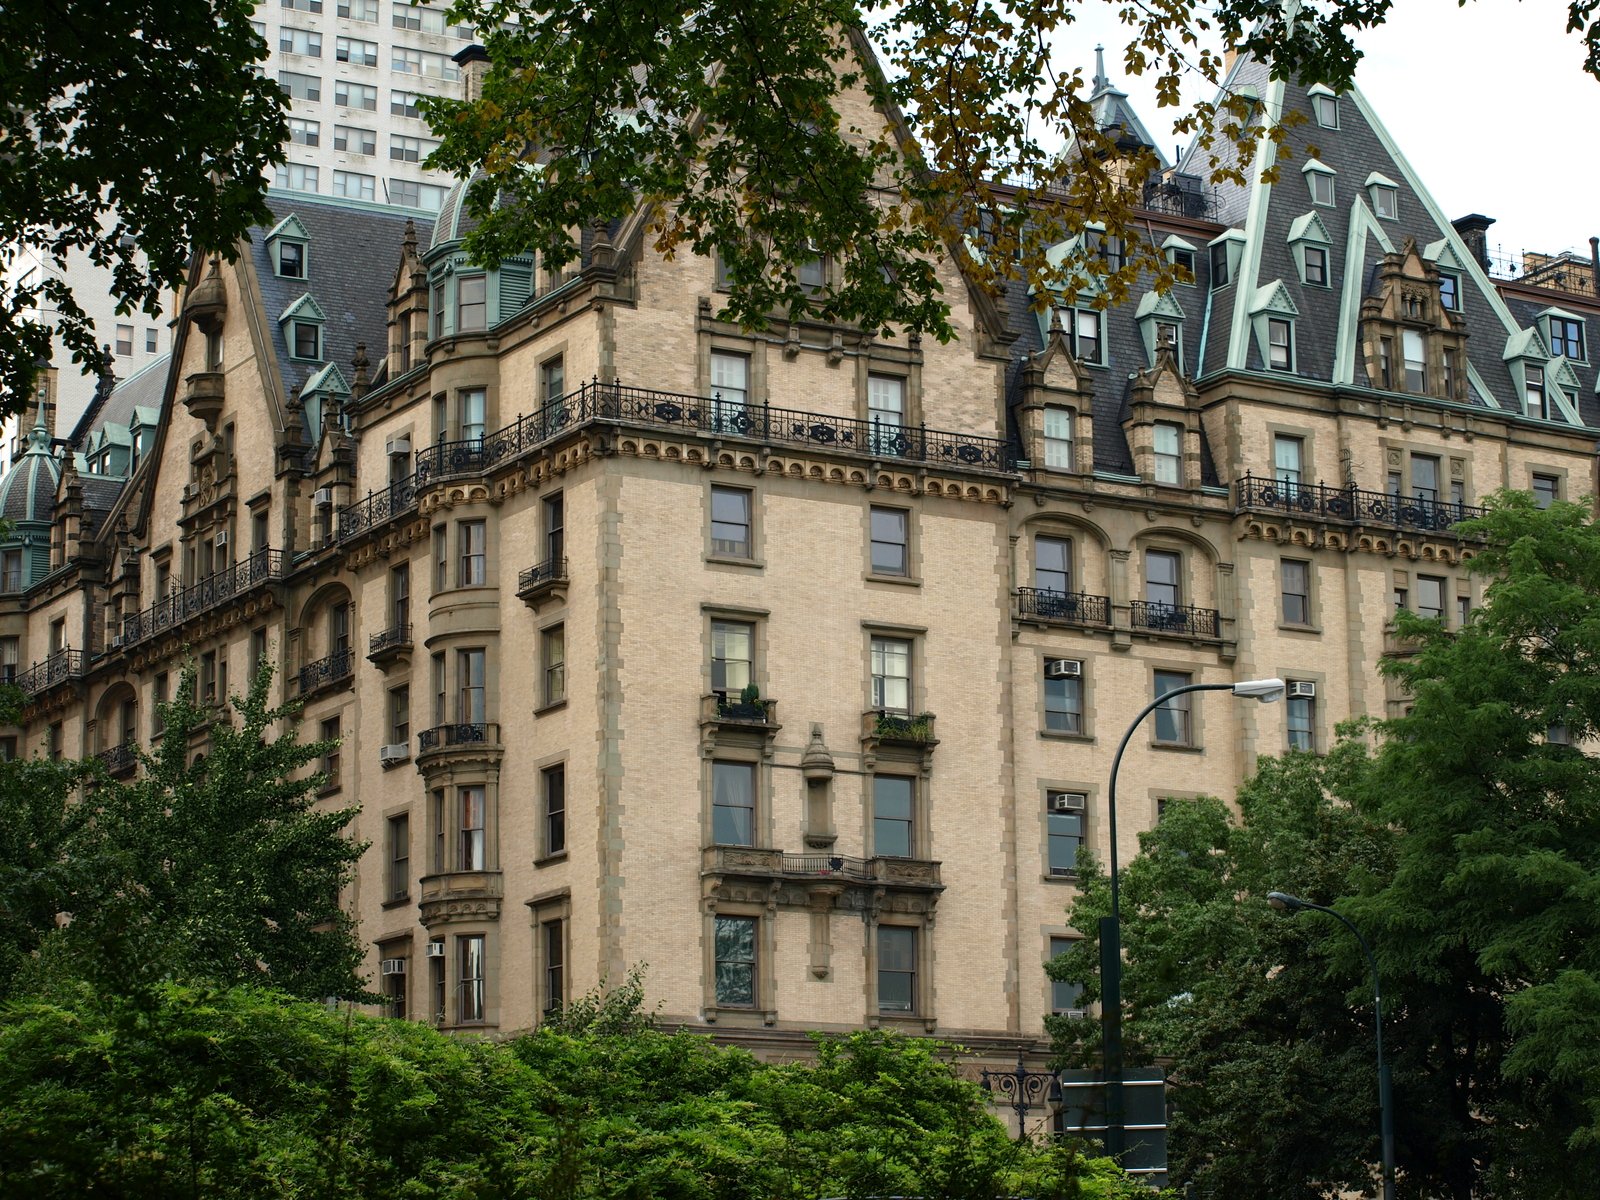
<point x="396" y="902"/>
<point x="553" y="706"/>
<point x="724" y="560"/>
<point x="1178" y="747"/>
<point x="1292" y="627"/>
<point x="896" y="580"/>
<point x="331" y="789"/>
<point x="550" y="860"/>
<point x="1056" y="735"/>
<point x="1071" y="878"/>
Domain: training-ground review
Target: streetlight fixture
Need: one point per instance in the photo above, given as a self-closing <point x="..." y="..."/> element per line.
<point x="1022" y="1089"/>
<point x="1284" y="902"/>
<point x="1264" y="690"/>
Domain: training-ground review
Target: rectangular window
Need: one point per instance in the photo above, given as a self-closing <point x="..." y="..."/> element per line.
<point x="304" y="133"/>
<point x="357" y="51"/>
<point x="359" y="10"/>
<point x="10" y="652"/>
<point x="554" y="653"/>
<point x="11" y="570"/>
<point x="1536" y="404"/>
<point x="1052" y="564"/>
<point x="1301" y="716"/>
<point x="354" y="186"/>
<point x="310" y="6"/>
<point x="890" y="553"/>
<point x="1161" y="577"/>
<point x="553" y="937"/>
<point x="300" y="87"/>
<point x="208" y="677"/>
<point x="471" y="303"/>
<point x="1452" y="373"/>
<point x="330" y="760"/>
<point x="555" y="527"/>
<point x="1295" y="579"/>
<point x="891" y="674"/>
<point x="1449" y="292"/>
<point x="404" y="104"/>
<point x="291" y="265"/>
<point x="1065" y="996"/>
<point x="258" y="653"/>
<point x="1172" y="718"/>
<point x="555" y="808"/>
<point x="437" y="815"/>
<point x="300" y="41"/>
<point x="886" y="412"/>
<point x="736" y="962"/>
<point x="399" y="857"/>
<point x="409" y="16"/>
<point x="897" y="969"/>
<point x="1424" y="477"/>
<point x="1386" y="362"/>
<point x="1288" y="459"/>
<point x="1064" y="814"/>
<point x="1063" y="697"/>
<point x="354" y="140"/>
<point x="125" y="340"/>
<point x="410" y="149"/>
<point x="1402" y="599"/>
<point x="404" y="61"/>
<point x="1566" y="338"/>
<point x="1546" y="489"/>
<point x="1219" y="265"/>
<point x="731" y="643"/>
<point x="471" y="1001"/>
<point x="355" y="95"/>
<point x="1416" y="355"/>
<point x="1386" y="202"/>
<point x="733" y="803"/>
<point x="400" y="595"/>
<point x="730" y="385"/>
<point x="1058" y="439"/>
<point x="730" y="522"/>
<point x="158" y="706"/>
<point x="1317" y="265"/>
<point x="307" y="340"/>
<point x="1280" y="344"/>
<point x="472" y="835"/>
<point x="1463" y="610"/>
<point x="1326" y="109"/>
<point x="1321" y="188"/>
<point x="892" y="832"/>
<point x="400" y="715"/>
<point x="472" y="570"/>
<point x="1430" y="596"/>
<point x="1087" y="344"/>
<point x="441" y="558"/>
<point x="1169" y="452"/>
<point x="470" y="679"/>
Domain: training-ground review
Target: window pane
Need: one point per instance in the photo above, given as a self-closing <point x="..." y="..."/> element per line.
<point x="730" y="656"/>
<point x="1161" y="577"/>
<point x="736" y="960"/>
<point x="1052" y="564"/>
<point x="891" y="816"/>
<point x="1064" y="997"/>
<point x="1172" y="718"/>
<point x="889" y="541"/>
<point x="1065" y="832"/>
<point x="730" y="522"/>
<point x="891" y="674"/>
<point x="733" y="803"/>
<point x="897" y="969"/>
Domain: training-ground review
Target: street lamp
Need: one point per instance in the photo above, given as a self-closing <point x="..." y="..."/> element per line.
<point x="1264" y="690"/>
<point x="1284" y="902"/>
<point x="1022" y="1089"/>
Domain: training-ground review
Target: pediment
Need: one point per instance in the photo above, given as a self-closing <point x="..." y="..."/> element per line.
<point x="305" y="308"/>
<point x="1274" y="297"/>
<point x="1157" y="304"/>
<point x="1308" y="227"/>
<point x="1443" y="254"/>
<point x="1525" y="343"/>
<point x="289" y="227"/>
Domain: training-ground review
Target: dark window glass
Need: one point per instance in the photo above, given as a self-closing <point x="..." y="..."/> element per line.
<point x="733" y="803"/>
<point x="736" y="961"/>
<point x="891" y="816"/>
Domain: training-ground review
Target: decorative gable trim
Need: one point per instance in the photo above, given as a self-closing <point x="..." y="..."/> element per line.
<point x="1442" y="254"/>
<point x="328" y="380"/>
<point x="1308" y="227"/>
<point x="1525" y="344"/>
<point x="289" y="227"/>
<point x="305" y="308"/>
<point x="1273" y="298"/>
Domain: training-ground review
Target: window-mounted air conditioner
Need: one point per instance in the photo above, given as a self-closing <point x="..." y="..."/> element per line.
<point x="222" y="539"/>
<point x="322" y="497"/>
<point x="435" y="950"/>
<point x="1062" y="802"/>
<point x="399" y="446"/>
<point x="1074" y="1014"/>
<point x="1063" y="668"/>
<point x="116" y="640"/>
<point x="392" y="966"/>
<point x="1302" y="688"/>
<point x="398" y="752"/>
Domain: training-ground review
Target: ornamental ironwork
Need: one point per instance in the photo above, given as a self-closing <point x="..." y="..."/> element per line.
<point x="119" y="760"/>
<point x="397" y="637"/>
<point x="335" y="667"/>
<point x="1351" y="504"/>
<point x="462" y="733"/>
<point x="58" y="668"/>
<point x="262" y="567"/>
<point x="1183" y="619"/>
<point x="551" y="570"/>
<point x="1075" y="608"/>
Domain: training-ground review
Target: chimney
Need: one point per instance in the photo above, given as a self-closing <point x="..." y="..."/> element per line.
<point x="474" y="63"/>
<point x="1594" y="264"/>
<point x="1474" y="229"/>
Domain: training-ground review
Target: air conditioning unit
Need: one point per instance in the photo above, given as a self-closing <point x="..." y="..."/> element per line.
<point x="389" y="755"/>
<point x="399" y="446"/>
<point x="435" y="950"/>
<point x="392" y="966"/>
<point x="322" y="497"/>
<point x="222" y="539"/>
<point x="1062" y="802"/>
<point x="1301" y="688"/>
<point x="1063" y="668"/>
<point x="1074" y="1014"/>
<point x="116" y="640"/>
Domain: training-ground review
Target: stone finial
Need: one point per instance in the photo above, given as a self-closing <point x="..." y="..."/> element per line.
<point x="360" y="362"/>
<point x="408" y="243"/>
<point x="816" y="764"/>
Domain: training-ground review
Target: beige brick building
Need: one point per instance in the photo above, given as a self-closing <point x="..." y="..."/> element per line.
<point x="790" y="663"/>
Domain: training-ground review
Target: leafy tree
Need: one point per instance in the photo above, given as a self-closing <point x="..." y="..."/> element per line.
<point x="134" y="134"/>
<point x="1466" y="847"/>
<point x="217" y="868"/>
<point x="739" y="127"/>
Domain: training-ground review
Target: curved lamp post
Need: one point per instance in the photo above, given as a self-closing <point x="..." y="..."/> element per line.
<point x="1264" y="690"/>
<point x="1022" y="1089"/>
<point x="1284" y="902"/>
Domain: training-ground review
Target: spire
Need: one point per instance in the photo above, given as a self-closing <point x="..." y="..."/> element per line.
<point x="1115" y="116"/>
<point x="1101" y="83"/>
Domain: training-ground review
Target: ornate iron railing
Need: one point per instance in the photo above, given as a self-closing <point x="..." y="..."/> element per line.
<point x="727" y="706"/>
<point x="708" y="416"/>
<point x="394" y="638"/>
<point x="337" y="666"/>
<point x="120" y="759"/>
<point x="1352" y="504"/>
<point x="549" y="571"/>
<point x="264" y="566"/>
<point x="1077" y="608"/>
<point x="1184" y="619"/>
<point x="58" y="668"/>
<point x="461" y="733"/>
<point x="751" y="860"/>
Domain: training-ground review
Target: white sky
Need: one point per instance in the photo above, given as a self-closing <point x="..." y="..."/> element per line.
<point x="1489" y="103"/>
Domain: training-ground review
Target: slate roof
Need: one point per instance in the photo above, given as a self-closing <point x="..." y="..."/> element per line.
<point x="145" y="388"/>
<point x="28" y="491"/>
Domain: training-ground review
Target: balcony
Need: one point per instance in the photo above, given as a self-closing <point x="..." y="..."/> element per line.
<point x="61" y="667"/>
<point x="462" y="741"/>
<point x="452" y="896"/>
<point x="898" y="729"/>
<point x="203" y="396"/>
<point x="1350" y="505"/>
<point x="1174" y="620"/>
<point x="1064" y="608"/>
<point x="546" y="581"/>
<point x="803" y="879"/>
<point x="326" y="674"/>
<point x="121" y="760"/>
<point x="261" y="569"/>
<point x="392" y="644"/>
<point x="1398" y="645"/>
<point x="725" y="708"/>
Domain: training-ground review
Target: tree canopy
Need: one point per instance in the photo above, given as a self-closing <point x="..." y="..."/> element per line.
<point x="133" y="134"/>
<point x="743" y="129"/>
<point x="1463" y="838"/>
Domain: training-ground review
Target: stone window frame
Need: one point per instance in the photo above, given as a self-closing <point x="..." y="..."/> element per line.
<point x="397" y="945"/>
<point x="442" y="855"/>
<point x="491" y="976"/>
<point x="914" y="636"/>
<point x="554" y="905"/>
<point x="764" y="1012"/>
<point x="912" y="576"/>
<point x="393" y="899"/>
<point x="1313" y="622"/>
<point x="761" y="815"/>
<point x="1085" y="678"/>
<point x="1053" y="934"/>
<point x="1322" y="728"/>
<point x="755" y="493"/>
<point x="1092" y="810"/>
<point x="1194" y="670"/>
<point x="548" y="700"/>
<point x="925" y="994"/>
<point x="921" y="825"/>
<point x="757" y="619"/>
<point x="544" y="767"/>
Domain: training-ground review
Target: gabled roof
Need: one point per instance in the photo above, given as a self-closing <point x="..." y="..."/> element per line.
<point x="1525" y="343"/>
<point x="1308" y="227"/>
<point x="329" y="379"/>
<point x="291" y="227"/>
<point x="1113" y="112"/>
<point x="305" y="308"/>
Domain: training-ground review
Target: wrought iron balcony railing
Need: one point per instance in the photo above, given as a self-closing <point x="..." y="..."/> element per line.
<point x="120" y="760"/>
<point x="397" y="637"/>
<point x="1075" y="608"/>
<point x="58" y="668"/>
<point x="324" y="671"/>
<point x="707" y="416"/>
<point x="1184" y="620"/>
<point x="264" y="566"/>
<point x="551" y="570"/>
<point x="1350" y="504"/>
<point x="752" y="860"/>
<point x="461" y="733"/>
<point x="728" y="707"/>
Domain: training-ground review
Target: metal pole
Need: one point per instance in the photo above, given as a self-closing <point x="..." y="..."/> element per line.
<point x="1111" y="943"/>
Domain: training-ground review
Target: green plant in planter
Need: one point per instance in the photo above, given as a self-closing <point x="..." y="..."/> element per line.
<point x="750" y="694"/>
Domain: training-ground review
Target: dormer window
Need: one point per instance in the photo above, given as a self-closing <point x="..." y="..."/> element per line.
<point x="1181" y="255"/>
<point x="1535" y="391"/>
<point x="292" y="260"/>
<point x="307" y="340"/>
<point x="1449" y="291"/>
<point x="1087" y="344"/>
<point x="1280" y="344"/>
<point x="1310" y="242"/>
<point x="1386" y="202"/>
<point x="1324" y="106"/>
<point x="1219" y="264"/>
<point x="1226" y="253"/>
<point x="1160" y="322"/>
<point x="287" y="245"/>
<point x="1317" y="266"/>
<point x="1319" y="178"/>
<point x="1564" y="333"/>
